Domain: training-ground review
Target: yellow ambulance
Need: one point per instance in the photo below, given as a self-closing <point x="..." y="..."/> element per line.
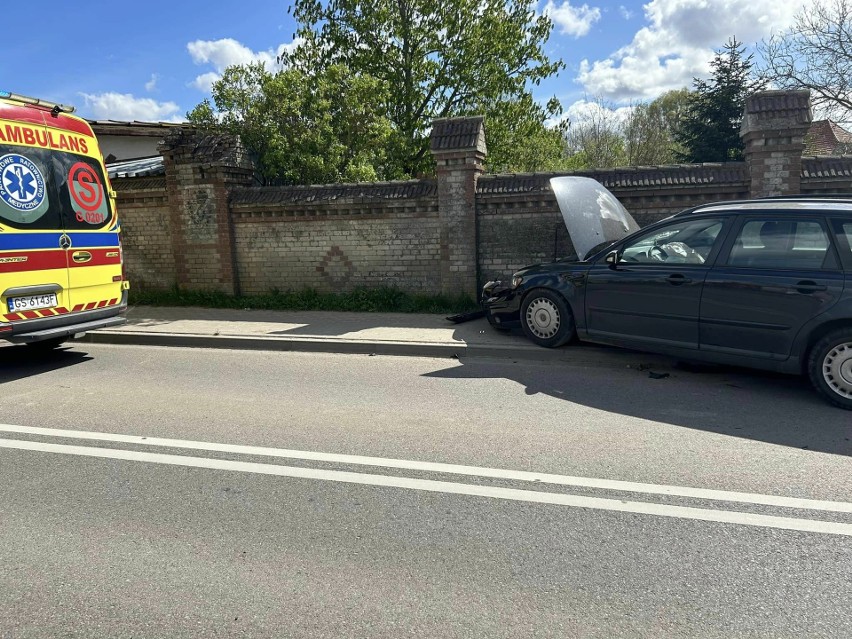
<point x="61" y="269"/>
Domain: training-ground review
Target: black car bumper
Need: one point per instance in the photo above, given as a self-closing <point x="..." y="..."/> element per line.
<point x="501" y="304"/>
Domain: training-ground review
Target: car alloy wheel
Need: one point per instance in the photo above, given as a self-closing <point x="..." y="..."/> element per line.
<point x="543" y="318"/>
<point x="837" y="369"/>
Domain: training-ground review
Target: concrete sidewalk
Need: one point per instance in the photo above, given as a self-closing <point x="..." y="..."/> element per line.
<point x="320" y="331"/>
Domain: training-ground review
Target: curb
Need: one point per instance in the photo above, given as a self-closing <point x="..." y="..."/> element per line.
<point x="568" y="356"/>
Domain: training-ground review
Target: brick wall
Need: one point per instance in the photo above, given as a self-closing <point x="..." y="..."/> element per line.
<point x="203" y="226"/>
<point x="144" y="211"/>
<point x="201" y="172"/>
<point x="335" y="239"/>
<point x="826" y="175"/>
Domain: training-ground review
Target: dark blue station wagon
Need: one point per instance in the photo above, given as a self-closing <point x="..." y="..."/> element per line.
<point x="760" y="283"/>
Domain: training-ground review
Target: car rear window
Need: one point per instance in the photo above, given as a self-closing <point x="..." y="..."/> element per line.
<point x="780" y="244"/>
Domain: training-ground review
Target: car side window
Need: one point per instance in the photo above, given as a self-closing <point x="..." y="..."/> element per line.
<point x="688" y="242"/>
<point x="780" y="244"/>
<point x="843" y="228"/>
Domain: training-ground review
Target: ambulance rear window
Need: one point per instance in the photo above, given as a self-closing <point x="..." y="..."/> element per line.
<point x="42" y="189"/>
<point x="26" y="201"/>
<point x="82" y="193"/>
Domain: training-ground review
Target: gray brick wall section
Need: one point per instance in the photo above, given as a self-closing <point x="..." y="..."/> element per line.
<point x="146" y="232"/>
<point x="338" y="244"/>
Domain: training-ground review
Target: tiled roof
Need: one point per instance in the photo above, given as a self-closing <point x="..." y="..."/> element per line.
<point x="775" y="101"/>
<point x="827" y="168"/>
<point x="827" y="138"/>
<point x="309" y="194"/>
<point x="451" y="134"/>
<point x="133" y="128"/>
<point x="623" y="177"/>
<point x="136" y="168"/>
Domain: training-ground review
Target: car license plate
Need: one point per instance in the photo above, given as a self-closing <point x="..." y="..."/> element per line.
<point x="32" y="302"/>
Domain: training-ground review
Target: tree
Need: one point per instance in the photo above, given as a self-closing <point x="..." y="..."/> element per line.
<point x="650" y="130"/>
<point x="434" y="58"/>
<point x="596" y="140"/>
<point x="816" y="54"/>
<point x="710" y="129"/>
<point x="302" y="129"/>
<point x="519" y="139"/>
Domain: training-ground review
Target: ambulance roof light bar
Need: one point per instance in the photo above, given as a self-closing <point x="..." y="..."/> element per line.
<point x="53" y="106"/>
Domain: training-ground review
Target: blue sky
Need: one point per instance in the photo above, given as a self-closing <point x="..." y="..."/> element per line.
<point x="153" y="61"/>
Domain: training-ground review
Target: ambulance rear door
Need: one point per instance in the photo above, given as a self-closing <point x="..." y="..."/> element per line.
<point x="91" y="224"/>
<point x="34" y="278"/>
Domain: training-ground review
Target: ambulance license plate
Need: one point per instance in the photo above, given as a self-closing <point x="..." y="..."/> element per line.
<point x="32" y="302"/>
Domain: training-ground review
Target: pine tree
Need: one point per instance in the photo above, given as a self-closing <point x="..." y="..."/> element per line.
<point x="710" y="130"/>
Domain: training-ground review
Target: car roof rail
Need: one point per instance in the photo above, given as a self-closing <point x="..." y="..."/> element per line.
<point x="810" y="196"/>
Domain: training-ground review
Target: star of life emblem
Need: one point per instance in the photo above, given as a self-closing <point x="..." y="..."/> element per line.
<point x="21" y="182"/>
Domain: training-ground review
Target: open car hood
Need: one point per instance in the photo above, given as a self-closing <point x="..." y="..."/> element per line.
<point x="591" y="213"/>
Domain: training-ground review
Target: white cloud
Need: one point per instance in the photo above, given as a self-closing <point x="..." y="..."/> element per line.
<point x="625" y="12"/>
<point x="205" y="81"/>
<point x="575" y="21"/>
<point x="151" y="84"/>
<point x="223" y="53"/>
<point x="585" y="110"/>
<point x="126" y="107"/>
<point x="678" y="43"/>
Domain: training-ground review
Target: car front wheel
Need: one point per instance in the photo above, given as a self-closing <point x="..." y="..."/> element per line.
<point x="830" y="367"/>
<point x="546" y="318"/>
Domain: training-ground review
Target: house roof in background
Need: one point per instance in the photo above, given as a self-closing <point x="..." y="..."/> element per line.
<point x="147" y="129"/>
<point x="138" y="167"/>
<point x="824" y="137"/>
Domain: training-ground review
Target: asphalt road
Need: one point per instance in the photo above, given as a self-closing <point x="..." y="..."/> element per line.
<point x="153" y="492"/>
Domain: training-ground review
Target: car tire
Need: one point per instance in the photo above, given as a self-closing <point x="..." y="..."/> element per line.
<point x="47" y="345"/>
<point x="546" y="319"/>
<point x="830" y="367"/>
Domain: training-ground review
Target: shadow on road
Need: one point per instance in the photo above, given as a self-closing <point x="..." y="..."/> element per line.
<point x="20" y="362"/>
<point x="768" y="407"/>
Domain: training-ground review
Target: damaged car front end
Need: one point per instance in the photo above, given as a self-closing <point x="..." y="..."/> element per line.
<point x="595" y="220"/>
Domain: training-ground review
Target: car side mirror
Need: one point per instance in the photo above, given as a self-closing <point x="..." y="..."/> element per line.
<point x="612" y="258"/>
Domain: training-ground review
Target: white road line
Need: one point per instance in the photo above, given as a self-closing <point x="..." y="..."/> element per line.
<point x="596" y="503"/>
<point x="451" y="469"/>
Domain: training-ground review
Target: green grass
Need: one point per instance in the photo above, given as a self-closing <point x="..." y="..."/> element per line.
<point x="381" y="300"/>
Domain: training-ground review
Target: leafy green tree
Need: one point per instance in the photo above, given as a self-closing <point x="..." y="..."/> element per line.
<point x="435" y="58"/>
<point x="303" y="129"/>
<point x="519" y="139"/>
<point x="710" y="129"/>
<point x="649" y="133"/>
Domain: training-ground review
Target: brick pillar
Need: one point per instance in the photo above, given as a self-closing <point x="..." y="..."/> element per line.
<point x="458" y="145"/>
<point x="773" y="130"/>
<point x="201" y="170"/>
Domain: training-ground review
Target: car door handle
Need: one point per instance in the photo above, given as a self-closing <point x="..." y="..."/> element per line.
<point x="81" y="257"/>
<point x="677" y="279"/>
<point x="809" y="287"/>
